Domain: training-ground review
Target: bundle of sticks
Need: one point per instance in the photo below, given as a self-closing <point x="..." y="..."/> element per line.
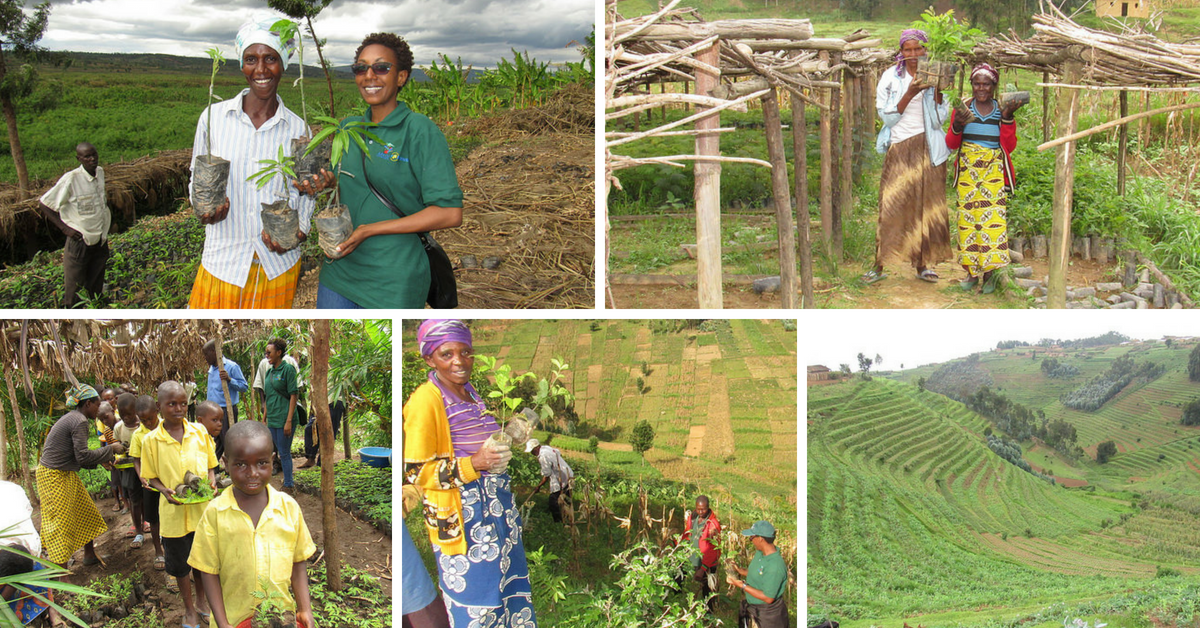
<point x="1131" y="57"/>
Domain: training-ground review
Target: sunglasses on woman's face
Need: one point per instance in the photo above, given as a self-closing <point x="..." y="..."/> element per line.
<point x="381" y="68"/>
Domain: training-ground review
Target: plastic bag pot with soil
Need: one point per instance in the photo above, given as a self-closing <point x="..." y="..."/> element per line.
<point x="333" y="227"/>
<point x="939" y="73"/>
<point x="281" y="222"/>
<point x="1007" y="97"/>
<point x="312" y="163"/>
<point x="209" y="177"/>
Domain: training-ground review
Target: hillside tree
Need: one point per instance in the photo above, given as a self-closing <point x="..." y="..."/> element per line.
<point x="845" y="369"/>
<point x="1105" y="450"/>
<point x="307" y="10"/>
<point x="1191" y="413"/>
<point x="642" y="438"/>
<point x="864" y="366"/>
<point x="19" y="34"/>
<point x="1194" y="364"/>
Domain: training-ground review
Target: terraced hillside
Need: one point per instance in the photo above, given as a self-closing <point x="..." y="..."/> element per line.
<point x="912" y="517"/>
<point x="721" y="397"/>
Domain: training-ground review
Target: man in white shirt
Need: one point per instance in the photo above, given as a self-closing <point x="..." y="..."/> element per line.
<point x="556" y="471"/>
<point x="77" y="206"/>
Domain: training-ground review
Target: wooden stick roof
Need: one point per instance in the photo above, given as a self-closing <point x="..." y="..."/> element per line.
<point x="1133" y="58"/>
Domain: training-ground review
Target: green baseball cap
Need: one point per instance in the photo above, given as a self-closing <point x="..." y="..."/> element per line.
<point x="760" y="528"/>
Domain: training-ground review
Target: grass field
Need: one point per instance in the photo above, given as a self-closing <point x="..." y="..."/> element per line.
<point x="722" y="402"/>
<point x="912" y="517"/>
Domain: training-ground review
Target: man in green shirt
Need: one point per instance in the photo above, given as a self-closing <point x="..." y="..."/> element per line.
<point x="764" y="583"/>
<point x="280" y="392"/>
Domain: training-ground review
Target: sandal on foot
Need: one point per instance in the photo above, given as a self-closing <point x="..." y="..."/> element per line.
<point x="873" y="276"/>
<point x="204" y="617"/>
<point x="136" y="542"/>
<point x="131" y="532"/>
<point x="969" y="284"/>
<point x="146" y="526"/>
<point x="160" y="563"/>
<point x="94" y="560"/>
<point x="172" y="585"/>
<point x="927" y="275"/>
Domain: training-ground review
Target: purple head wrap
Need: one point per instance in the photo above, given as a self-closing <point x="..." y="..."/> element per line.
<point x="434" y="333"/>
<point x="909" y="35"/>
<point x="986" y="70"/>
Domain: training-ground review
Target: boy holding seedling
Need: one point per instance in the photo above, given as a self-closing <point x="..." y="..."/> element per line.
<point x="147" y="414"/>
<point x="252" y="541"/>
<point x="78" y="207"/>
<point x="127" y="477"/>
<point x="168" y="454"/>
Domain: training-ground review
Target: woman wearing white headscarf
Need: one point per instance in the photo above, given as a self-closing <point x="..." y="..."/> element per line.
<point x="241" y="267"/>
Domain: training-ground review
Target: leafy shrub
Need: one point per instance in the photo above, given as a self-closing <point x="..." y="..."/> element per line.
<point x="1191" y="413"/>
<point x="1097" y="391"/>
<point x="1105" y="450"/>
<point x="1166" y="572"/>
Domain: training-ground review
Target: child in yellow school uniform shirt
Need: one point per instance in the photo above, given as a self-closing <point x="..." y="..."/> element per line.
<point x="168" y="453"/>
<point x="252" y="537"/>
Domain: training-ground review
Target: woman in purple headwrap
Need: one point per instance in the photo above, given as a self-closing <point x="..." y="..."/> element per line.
<point x="983" y="175"/>
<point x="913" y="222"/>
<point x="469" y="509"/>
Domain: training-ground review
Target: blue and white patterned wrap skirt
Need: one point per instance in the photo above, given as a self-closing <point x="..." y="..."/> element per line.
<point x="488" y="587"/>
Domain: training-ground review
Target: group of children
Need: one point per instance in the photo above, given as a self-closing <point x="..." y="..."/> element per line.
<point x="248" y="544"/>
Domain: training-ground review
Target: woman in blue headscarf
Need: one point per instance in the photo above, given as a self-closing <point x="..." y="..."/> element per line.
<point x="913" y="222"/>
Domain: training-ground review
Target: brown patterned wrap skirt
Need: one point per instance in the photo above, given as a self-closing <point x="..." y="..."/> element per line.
<point x="914" y="223"/>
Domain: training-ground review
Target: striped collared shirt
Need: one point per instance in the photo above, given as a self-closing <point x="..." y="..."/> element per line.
<point x="231" y="245"/>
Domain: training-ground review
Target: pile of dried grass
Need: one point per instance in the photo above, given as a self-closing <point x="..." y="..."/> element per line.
<point x="570" y="109"/>
<point x="143" y="182"/>
<point x="529" y="199"/>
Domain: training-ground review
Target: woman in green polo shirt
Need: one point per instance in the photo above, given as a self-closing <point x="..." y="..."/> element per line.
<point x="280" y="392"/>
<point x="383" y="264"/>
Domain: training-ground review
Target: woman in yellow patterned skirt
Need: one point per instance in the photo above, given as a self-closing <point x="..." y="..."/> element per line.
<point x="983" y="177"/>
<point x="70" y="519"/>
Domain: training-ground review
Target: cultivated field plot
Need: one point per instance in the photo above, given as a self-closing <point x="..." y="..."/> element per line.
<point x="914" y="517"/>
<point x="721" y="397"/>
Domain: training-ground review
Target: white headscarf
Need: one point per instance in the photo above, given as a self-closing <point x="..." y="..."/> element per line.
<point x="259" y="32"/>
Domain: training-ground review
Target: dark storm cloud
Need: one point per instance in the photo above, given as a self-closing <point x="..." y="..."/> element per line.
<point x="479" y="31"/>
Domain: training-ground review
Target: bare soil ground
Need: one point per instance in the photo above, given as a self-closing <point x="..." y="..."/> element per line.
<point x="901" y="290"/>
<point x="363" y="546"/>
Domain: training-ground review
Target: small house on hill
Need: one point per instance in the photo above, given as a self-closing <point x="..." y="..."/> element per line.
<point x="819" y="373"/>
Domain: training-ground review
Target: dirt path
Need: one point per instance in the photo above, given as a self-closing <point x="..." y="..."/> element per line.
<point x="363" y="547"/>
<point x="900" y="290"/>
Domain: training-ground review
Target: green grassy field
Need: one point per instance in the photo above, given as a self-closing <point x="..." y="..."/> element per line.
<point x="731" y="392"/>
<point x="912" y="517"/>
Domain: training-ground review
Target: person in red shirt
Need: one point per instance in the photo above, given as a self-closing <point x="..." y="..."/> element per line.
<point x="700" y="529"/>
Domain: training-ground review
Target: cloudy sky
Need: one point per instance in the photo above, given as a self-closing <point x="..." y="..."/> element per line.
<point x="913" y="338"/>
<point x="480" y="31"/>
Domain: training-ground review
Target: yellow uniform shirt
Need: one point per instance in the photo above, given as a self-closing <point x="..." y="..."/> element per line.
<point x="135" y="441"/>
<point x="227" y="544"/>
<point x="167" y="459"/>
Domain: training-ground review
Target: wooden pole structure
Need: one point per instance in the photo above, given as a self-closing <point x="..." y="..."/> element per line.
<point x="1123" y="145"/>
<point x="849" y="98"/>
<point x="17" y="424"/>
<point x="1046" y="130"/>
<point x="835" y="106"/>
<point x="320" y="390"/>
<point x="826" y="195"/>
<point x="800" y="149"/>
<point x="1064" y="181"/>
<point x="785" y="228"/>
<point x="4" y="445"/>
<point x="708" y="191"/>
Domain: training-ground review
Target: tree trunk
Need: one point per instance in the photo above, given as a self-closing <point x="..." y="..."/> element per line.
<point x="1064" y="180"/>
<point x="346" y="432"/>
<point x="320" y="391"/>
<point x="321" y="58"/>
<point x="12" y="398"/>
<point x="800" y="149"/>
<point x="224" y="384"/>
<point x="18" y="155"/>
